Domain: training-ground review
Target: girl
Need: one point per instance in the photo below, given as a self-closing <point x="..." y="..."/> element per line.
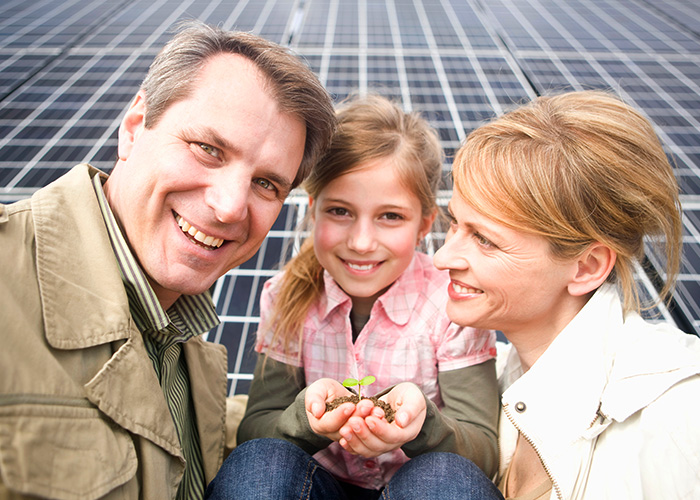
<point x="359" y="300"/>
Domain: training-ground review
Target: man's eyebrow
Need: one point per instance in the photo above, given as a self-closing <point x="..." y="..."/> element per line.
<point x="208" y="134"/>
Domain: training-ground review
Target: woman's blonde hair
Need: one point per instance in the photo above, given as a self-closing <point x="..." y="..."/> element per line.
<point x="369" y="128"/>
<point x="578" y="168"/>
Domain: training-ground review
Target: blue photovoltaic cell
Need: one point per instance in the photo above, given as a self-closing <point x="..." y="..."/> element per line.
<point x="69" y="69"/>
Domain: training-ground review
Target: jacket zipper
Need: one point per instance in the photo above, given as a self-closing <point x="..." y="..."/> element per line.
<point x="555" y="485"/>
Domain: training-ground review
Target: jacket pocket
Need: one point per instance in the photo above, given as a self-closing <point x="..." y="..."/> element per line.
<point x="62" y="449"/>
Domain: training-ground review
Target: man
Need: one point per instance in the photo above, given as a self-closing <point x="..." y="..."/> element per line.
<point x="106" y="388"/>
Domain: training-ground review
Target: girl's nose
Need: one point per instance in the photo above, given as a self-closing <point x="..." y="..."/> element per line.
<point x="362" y="238"/>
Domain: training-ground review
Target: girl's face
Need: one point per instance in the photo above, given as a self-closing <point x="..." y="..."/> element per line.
<point x="366" y="228"/>
<point x="504" y="279"/>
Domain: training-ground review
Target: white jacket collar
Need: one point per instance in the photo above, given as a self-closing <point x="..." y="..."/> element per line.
<point x="598" y="366"/>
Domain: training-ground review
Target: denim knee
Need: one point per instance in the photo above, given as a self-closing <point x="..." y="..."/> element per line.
<point x="438" y="476"/>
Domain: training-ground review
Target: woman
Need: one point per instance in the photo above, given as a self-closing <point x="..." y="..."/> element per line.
<point x="552" y="206"/>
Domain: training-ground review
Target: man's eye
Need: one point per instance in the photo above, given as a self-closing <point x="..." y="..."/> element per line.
<point x="211" y="150"/>
<point x="265" y="184"/>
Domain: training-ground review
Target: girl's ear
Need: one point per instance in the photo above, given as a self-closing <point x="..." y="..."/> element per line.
<point x="594" y="267"/>
<point x="310" y="211"/>
<point x="426" y="225"/>
<point x="131" y="126"/>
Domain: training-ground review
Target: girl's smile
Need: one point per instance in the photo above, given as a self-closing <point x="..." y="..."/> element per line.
<point x="366" y="228"/>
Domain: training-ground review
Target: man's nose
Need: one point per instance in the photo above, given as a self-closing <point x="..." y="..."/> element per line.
<point x="229" y="197"/>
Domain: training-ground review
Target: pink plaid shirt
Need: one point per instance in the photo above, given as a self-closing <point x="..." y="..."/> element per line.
<point x="408" y="338"/>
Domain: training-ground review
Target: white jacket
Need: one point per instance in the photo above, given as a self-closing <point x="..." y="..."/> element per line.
<point x="612" y="407"/>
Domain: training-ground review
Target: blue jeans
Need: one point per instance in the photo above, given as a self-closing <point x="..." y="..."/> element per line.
<point x="273" y="469"/>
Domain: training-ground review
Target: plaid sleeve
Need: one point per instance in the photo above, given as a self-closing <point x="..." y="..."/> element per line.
<point x="265" y="331"/>
<point x="458" y="347"/>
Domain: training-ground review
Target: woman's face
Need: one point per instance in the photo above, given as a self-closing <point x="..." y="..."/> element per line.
<point x="504" y="279"/>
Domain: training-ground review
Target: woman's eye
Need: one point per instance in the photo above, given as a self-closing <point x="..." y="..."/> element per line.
<point x="482" y="241"/>
<point x="211" y="150"/>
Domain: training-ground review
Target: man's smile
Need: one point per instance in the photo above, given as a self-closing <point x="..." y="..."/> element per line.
<point x="197" y="236"/>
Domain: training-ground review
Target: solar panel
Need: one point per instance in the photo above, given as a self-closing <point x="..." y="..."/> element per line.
<point x="68" y="70"/>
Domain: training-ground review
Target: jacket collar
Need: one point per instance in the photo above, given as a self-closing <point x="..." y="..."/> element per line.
<point x="602" y="367"/>
<point x="398" y="301"/>
<point x="68" y="221"/>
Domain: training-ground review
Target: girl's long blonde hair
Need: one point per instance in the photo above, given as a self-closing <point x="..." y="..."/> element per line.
<point x="369" y="128"/>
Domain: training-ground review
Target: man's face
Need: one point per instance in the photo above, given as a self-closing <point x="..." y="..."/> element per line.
<point x="198" y="192"/>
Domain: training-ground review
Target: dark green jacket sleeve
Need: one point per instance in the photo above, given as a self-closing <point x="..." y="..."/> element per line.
<point x="468" y="423"/>
<point x="276" y="407"/>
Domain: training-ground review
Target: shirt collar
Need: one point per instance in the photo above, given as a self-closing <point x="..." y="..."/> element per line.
<point x="398" y="301"/>
<point x="196" y="312"/>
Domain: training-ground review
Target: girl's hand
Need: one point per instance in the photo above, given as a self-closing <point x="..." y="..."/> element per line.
<point x="372" y="435"/>
<point x="322" y="423"/>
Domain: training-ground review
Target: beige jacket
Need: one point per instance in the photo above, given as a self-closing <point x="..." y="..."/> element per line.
<point x="82" y="414"/>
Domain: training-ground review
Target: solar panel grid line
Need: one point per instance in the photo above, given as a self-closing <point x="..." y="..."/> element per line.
<point x="47" y="14"/>
<point x="362" y="44"/>
<point x="614" y="84"/>
<point x="328" y="42"/>
<point x="649" y="29"/>
<point x="440" y="70"/>
<point x="399" y="56"/>
<point x="67" y="125"/>
<point x="512" y="46"/>
<point x="264" y="15"/>
<point x="471" y="57"/>
<point x="209" y="10"/>
<point x="685" y="13"/>
<point x="496" y="70"/>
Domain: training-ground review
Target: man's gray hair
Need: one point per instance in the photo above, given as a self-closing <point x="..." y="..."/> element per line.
<point x="292" y="84"/>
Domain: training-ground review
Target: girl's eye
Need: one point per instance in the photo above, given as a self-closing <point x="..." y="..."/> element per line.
<point x="338" y="211"/>
<point x="393" y="216"/>
<point x="210" y="150"/>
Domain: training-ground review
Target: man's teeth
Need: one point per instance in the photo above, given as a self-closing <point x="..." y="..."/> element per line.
<point x="463" y="289"/>
<point x="358" y="267"/>
<point x="198" y="235"/>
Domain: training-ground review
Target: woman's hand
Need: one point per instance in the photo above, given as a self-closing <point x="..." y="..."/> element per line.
<point x="367" y="432"/>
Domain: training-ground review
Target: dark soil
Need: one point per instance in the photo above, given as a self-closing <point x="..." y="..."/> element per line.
<point x="388" y="410"/>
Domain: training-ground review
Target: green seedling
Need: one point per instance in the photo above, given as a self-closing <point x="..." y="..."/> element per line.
<point x="351" y="382"/>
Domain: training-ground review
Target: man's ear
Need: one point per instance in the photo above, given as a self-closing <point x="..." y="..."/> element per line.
<point x="594" y="267"/>
<point x="131" y="126"/>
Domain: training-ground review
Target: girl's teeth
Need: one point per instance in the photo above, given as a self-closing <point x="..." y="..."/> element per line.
<point x="357" y="267"/>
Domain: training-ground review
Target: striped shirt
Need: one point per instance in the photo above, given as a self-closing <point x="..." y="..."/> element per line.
<point x="164" y="332"/>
